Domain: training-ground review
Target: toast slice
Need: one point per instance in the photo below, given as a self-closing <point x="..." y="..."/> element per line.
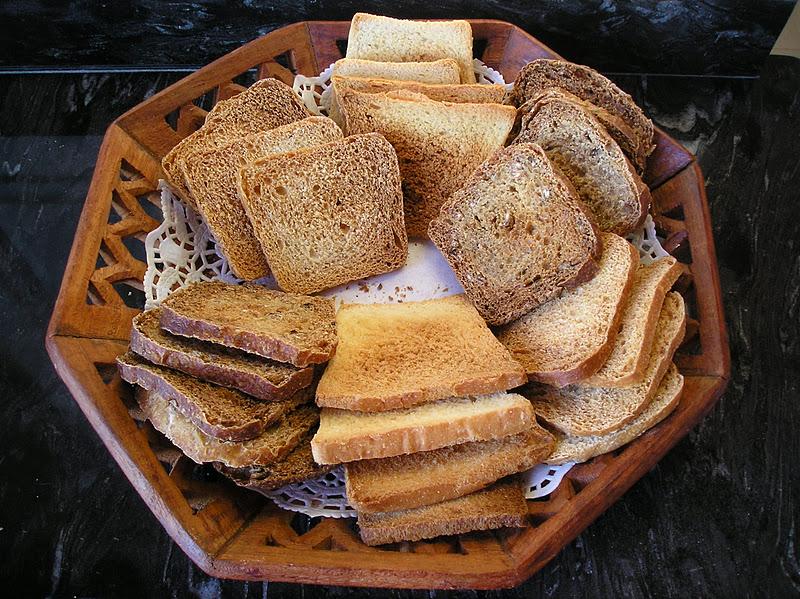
<point x="285" y="327"/>
<point x="398" y="355"/>
<point x="516" y="234"/>
<point x="444" y="70"/>
<point x="502" y="505"/>
<point x="219" y="412"/>
<point x="580" y="449"/>
<point x="593" y="162"/>
<point x="274" y="443"/>
<point x="569" y="338"/>
<point x="346" y="436"/>
<point x="328" y="214"/>
<point x="438" y="144"/>
<point x="588" y="85"/>
<point x="418" y="479"/>
<point x="628" y="359"/>
<point x="263" y="379"/>
<point x="397" y="40"/>
<point x="210" y="177"/>
<point x="266" y="104"/>
<point x="582" y="411"/>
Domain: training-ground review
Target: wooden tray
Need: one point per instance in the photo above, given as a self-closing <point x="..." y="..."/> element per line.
<point x="233" y="533"/>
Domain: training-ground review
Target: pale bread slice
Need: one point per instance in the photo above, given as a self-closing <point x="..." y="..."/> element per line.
<point x="345" y="436"/>
<point x="398" y="355"/>
<point x="374" y="37"/>
<point x="628" y="359"/>
<point x="445" y="70"/>
<point x="502" y="505"/>
<point x="329" y="214"/>
<point x="438" y="144"/>
<point x="570" y="448"/>
<point x="516" y="234"/>
<point x="210" y="177"/>
<point x="582" y="411"/>
<point x="417" y="479"/>
<point x="568" y="338"/>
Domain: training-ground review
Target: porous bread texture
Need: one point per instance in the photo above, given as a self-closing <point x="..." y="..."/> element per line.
<point x="210" y="177"/>
<point x="589" y="85"/>
<point x="398" y="355"/>
<point x="581" y="411"/>
<point x="569" y="338"/>
<point x="628" y="359"/>
<point x="345" y="436"/>
<point x="329" y="214"/>
<point x="266" y="104"/>
<point x="444" y="70"/>
<point x="286" y="327"/>
<point x="273" y="444"/>
<point x="593" y="162"/>
<point x="374" y="37"/>
<point x="502" y="505"/>
<point x="262" y="378"/>
<point x="580" y="449"/>
<point x="516" y="234"/>
<point x="219" y="412"/>
<point x="417" y="479"/>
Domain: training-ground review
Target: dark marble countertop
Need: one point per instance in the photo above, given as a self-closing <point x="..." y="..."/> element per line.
<point x="718" y="516"/>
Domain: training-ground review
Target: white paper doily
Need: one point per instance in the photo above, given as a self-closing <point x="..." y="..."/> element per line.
<point x="543" y="479"/>
<point x="323" y="496"/>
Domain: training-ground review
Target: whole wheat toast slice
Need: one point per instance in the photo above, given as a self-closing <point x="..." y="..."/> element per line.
<point x="438" y="144"/>
<point x="262" y="378"/>
<point x="285" y="327"/>
<point x="398" y="355"/>
<point x="274" y="443"/>
<point x="569" y="338"/>
<point x="219" y="412"/>
<point x="581" y="411"/>
<point x="374" y="37"/>
<point x="516" y="234"/>
<point x="444" y="70"/>
<point x="417" y="479"/>
<point x="346" y="436"/>
<point x="502" y="505"/>
<point x="570" y="448"/>
<point x="329" y="214"/>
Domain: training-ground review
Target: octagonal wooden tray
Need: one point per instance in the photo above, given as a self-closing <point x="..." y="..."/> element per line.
<point x="233" y="533"/>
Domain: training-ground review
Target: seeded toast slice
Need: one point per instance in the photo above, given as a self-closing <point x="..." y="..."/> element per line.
<point x="285" y="327"/>
<point x="516" y="234"/>
<point x="445" y="70"/>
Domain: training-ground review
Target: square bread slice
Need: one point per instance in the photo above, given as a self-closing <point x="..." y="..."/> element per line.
<point x="210" y="177"/>
<point x="499" y="506"/>
<point x="328" y="214"/>
<point x="516" y="234"/>
<point x="439" y="144"/>
<point x="285" y="327"/>
<point x="445" y="70"/>
<point x="374" y="37"/>
<point x="628" y="359"/>
<point x="345" y="436"/>
<point x="593" y="162"/>
<point x="398" y="355"/>
<point x="570" y="448"/>
<point x="581" y="411"/>
<point x="417" y="479"/>
<point x="569" y="338"/>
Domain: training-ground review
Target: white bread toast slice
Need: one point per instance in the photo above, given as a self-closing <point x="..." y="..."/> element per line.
<point x="445" y="70"/>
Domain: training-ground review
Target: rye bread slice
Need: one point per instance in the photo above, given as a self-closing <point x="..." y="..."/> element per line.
<point x="219" y="412"/>
<point x="275" y="443"/>
<point x="286" y="327"/>
<point x="262" y="378"/>
<point x="569" y="338"/>
<point x="501" y="505"/>
<point x="516" y="234"/>
<point x="444" y="70"/>
<point x="427" y="477"/>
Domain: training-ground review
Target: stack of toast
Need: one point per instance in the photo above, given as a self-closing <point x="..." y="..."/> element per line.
<point x="560" y="348"/>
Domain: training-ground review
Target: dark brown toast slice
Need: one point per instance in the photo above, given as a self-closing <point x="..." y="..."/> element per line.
<point x="286" y="327"/>
<point x="257" y="376"/>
